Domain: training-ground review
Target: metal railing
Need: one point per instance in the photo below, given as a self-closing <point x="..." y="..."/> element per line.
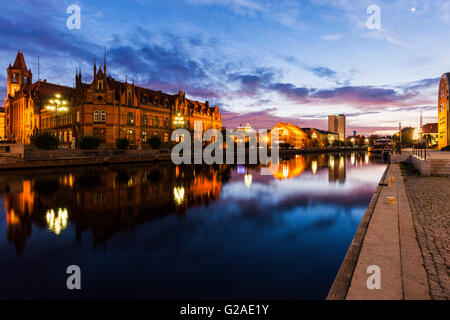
<point x="421" y="151"/>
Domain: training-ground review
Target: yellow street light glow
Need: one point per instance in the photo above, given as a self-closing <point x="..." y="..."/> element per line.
<point x="51" y="101"/>
<point x="58" y="95"/>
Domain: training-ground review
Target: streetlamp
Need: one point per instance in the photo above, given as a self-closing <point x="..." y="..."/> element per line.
<point x="57" y="104"/>
<point x="178" y="121"/>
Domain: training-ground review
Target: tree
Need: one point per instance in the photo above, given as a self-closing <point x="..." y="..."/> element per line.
<point x="88" y="142"/>
<point x="349" y="143"/>
<point x="336" y="143"/>
<point x="314" y="143"/>
<point x="44" y="140"/>
<point x="122" y="144"/>
<point x="155" y="142"/>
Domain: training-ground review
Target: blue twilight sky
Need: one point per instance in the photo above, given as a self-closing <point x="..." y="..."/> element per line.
<point x="260" y="61"/>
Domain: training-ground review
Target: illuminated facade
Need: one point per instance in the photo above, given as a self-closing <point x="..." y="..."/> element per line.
<point x="2" y="123"/>
<point x="105" y="108"/>
<point x="292" y="134"/>
<point x="337" y="124"/>
<point x="443" y="112"/>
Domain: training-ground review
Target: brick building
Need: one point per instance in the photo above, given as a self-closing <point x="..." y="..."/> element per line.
<point x="105" y="107"/>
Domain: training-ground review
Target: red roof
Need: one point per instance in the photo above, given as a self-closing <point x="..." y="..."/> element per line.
<point x="20" y="62"/>
<point x="430" y="128"/>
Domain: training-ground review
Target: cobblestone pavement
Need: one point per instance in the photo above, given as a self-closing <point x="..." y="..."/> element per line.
<point x="429" y="199"/>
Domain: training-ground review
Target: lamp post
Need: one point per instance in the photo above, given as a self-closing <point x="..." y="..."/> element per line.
<point x="178" y="121"/>
<point x="57" y="104"/>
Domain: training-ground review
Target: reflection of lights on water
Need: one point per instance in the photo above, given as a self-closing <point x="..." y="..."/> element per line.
<point x="57" y="222"/>
<point x="285" y="171"/>
<point x="366" y="158"/>
<point x="341" y="162"/>
<point x="240" y="169"/>
<point x="178" y="193"/>
<point x="314" y="166"/>
<point x="130" y="182"/>
<point x="352" y="158"/>
<point x="331" y="162"/>
<point x="248" y="180"/>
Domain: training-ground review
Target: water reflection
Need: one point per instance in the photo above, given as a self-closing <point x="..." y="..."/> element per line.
<point x="230" y="230"/>
<point x="104" y="200"/>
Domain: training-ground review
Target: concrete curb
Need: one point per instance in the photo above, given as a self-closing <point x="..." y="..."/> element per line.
<point x="343" y="278"/>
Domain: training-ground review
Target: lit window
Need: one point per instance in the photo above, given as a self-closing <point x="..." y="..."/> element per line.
<point x="103" y="116"/>
<point x="96" y="116"/>
<point x="130" y="118"/>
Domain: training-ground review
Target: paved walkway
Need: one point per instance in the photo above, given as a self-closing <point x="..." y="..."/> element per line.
<point x="390" y="243"/>
<point x="430" y="206"/>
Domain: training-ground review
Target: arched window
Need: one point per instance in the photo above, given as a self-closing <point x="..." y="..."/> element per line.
<point x="144" y="136"/>
<point x="96" y="116"/>
<point x="103" y="116"/>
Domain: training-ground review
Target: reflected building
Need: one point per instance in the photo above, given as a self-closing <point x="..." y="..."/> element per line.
<point x="104" y="201"/>
<point x="336" y="168"/>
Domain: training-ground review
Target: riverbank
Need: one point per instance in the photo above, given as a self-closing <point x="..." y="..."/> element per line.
<point x="30" y="159"/>
<point x="69" y="158"/>
<point x="401" y="239"/>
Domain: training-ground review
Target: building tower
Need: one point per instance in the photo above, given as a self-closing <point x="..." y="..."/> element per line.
<point x="444" y="112"/>
<point x="336" y="124"/>
<point x="18" y="75"/>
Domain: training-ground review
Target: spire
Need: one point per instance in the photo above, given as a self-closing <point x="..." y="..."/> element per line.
<point x="19" y="63"/>
<point x="104" y="63"/>
<point x="95" y="68"/>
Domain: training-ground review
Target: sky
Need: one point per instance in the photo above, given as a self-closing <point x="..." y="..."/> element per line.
<point x="260" y="61"/>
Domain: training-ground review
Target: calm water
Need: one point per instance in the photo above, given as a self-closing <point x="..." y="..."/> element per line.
<point x="158" y="231"/>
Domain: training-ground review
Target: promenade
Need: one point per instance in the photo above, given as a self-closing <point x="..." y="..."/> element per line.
<point x="406" y="239"/>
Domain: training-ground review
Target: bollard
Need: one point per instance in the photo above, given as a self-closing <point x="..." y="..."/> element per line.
<point x="390" y="200"/>
<point x="389" y="182"/>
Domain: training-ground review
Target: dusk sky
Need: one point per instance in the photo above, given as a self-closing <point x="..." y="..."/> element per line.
<point x="260" y="61"/>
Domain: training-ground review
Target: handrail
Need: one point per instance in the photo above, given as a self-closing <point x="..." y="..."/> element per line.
<point x="421" y="151"/>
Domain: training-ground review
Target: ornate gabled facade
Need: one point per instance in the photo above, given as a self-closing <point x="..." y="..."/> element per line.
<point x="105" y="107"/>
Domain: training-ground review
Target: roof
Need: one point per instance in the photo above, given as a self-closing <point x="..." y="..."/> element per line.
<point x="20" y="62"/>
<point x="430" y="128"/>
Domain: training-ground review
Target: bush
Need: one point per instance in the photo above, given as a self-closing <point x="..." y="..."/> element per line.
<point x="155" y="142"/>
<point x="88" y="142"/>
<point x="122" y="144"/>
<point x="336" y="143"/>
<point x="44" y="140"/>
<point x="447" y="148"/>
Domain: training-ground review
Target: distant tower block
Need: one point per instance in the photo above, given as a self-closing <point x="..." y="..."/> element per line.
<point x="336" y="124"/>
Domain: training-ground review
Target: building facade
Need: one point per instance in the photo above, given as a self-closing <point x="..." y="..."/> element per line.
<point x="337" y="124"/>
<point x="105" y="108"/>
<point x="430" y="133"/>
<point x="292" y="134"/>
<point x="443" y="112"/>
<point x="2" y="124"/>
